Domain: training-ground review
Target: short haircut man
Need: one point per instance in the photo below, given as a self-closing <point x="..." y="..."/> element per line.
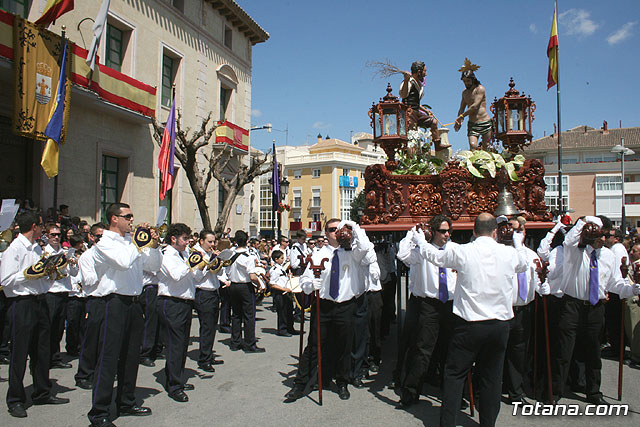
<point x="114" y="209"/>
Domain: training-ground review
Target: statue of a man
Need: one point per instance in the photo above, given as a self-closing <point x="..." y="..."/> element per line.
<point x="474" y="99"/>
<point x="411" y="91"/>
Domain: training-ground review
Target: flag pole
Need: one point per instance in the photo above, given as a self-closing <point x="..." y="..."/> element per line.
<point x="560" y="201"/>
<point x="63" y="34"/>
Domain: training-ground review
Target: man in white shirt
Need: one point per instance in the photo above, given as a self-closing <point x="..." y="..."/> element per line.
<point x="119" y="265"/>
<point x="77" y="301"/>
<point x="176" y="291"/>
<point x="207" y="302"/>
<point x="57" y="296"/>
<point x="299" y="252"/>
<point x="283" y="246"/>
<point x="432" y="289"/>
<point x="29" y="317"/>
<point x="94" y="318"/>
<point x="589" y="271"/>
<point x="482" y="304"/>
<point x="341" y="282"/>
<point x="242" y="274"/>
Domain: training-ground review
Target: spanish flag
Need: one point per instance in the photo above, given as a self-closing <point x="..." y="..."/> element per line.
<point x="552" y="52"/>
<point x="53" y="10"/>
<point x="54" y="131"/>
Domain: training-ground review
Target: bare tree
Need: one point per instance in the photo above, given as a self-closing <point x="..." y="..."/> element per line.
<point x="217" y="160"/>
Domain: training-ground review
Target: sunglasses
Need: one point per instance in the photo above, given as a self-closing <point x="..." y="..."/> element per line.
<point x="55" y="234"/>
<point x="443" y="231"/>
<point x="127" y="216"/>
<point x="332" y="229"/>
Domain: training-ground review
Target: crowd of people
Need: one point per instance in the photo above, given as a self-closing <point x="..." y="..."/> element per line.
<point x="122" y="297"/>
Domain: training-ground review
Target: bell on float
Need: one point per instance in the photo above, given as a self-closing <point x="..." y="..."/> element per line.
<point x="506" y="206"/>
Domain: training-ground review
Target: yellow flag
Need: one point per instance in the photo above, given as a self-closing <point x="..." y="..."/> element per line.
<point x="552" y="53"/>
<point x="49" y="160"/>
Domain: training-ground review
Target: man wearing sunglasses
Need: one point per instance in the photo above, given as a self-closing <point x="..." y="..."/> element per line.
<point x="30" y="332"/>
<point x="120" y="265"/>
<point x="431" y="302"/>
<point x="58" y="296"/>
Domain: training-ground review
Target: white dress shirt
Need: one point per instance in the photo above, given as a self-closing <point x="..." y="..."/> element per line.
<point x="484" y="289"/>
<point x="424" y="277"/>
<point x="244" y="265"/>
<point x="20" y="255"/>
<point x="386" y="261"/>
<point x="533" y="280"/>
<point x="620" y="252"/>
<point x="119" y="264"/>
<point x="576" y="268"/>
<point x="277" y="276"/>
<point x="555" y="271"/>
<point x="87" y="265"/>
<point x="298" y="249"/>
<point x="64" y="284"/>
<point x="175" y="278"/>
<point x="354" y="269"/>
<point x="210" y="281"/>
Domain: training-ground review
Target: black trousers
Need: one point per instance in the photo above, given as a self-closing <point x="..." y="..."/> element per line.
<point x="75" y="320"/>
<point x="57" y="303"/>
<point x="93" y="326"/>
<point x="434" y="318"/>
<point x="151" y="340"/>
<point x="578" y="320"/>
<point x="484" y="342"/>
<point x="388" y="304"/>
<point x="243" y="317"/>
<point x="175" y="319"/>
<point x="207" y="304"/>
<point x="308" y="363"/>
<point x="360" y="336"/>
<point x="336" y="332"/>
<point x="29" y="337"/>
<point x="516" y="368"/>
<point x="225" y="307"/>
<point x="375" y="322"/>
<point x="4" y="325"/>
<point x="119" y="352"/>
<point x="408" y="326"/>
<point x="612" y="314"/>
<point x="284" y="311"/>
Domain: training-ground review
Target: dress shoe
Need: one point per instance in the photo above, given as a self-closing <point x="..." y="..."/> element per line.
<point x="4" y="360"/>
<point x="188" y="387"/>
<point x="343" y="393"/>
<point x="102" y="422"/>
<point x="293" y="332"/>
<point x="207" y="367"/>
<point x="374" y="367"/>
<point x="179" y="396"/>
<point x="633" y="364"/>
<point x="521" y="399"/>
<point x="17" y="410"/>
<point x="225" y="329"/>
<point x="254" y="349"/>
<point x="73" y="353"/>
<point x="295" y="393"/>
<point x="407" y="398"/>
<point x="217" y="362"/>
<point x="84" y="384"/>
<point x="597" y="400"/>
<point x="236" y="347"/>
<point x="357" y="382"/>
<point x="284" y="334"/>
<point x="51" y="400"/>
<point x="58" y="364"/>
<point x="147" y="361"/>
<point x="134" y="411"/>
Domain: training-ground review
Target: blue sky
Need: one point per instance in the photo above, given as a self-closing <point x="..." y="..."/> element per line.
<point x="311" y="74"/>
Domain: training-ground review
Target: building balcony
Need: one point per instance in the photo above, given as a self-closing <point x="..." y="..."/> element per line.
<point x="632" y="209"/>
<point x="290" y="160"/>
<point x="295" y="225"/>
<point x="631" y="187"/>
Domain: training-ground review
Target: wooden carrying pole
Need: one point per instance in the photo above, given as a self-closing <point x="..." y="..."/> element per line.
<point x="319" y="347"/>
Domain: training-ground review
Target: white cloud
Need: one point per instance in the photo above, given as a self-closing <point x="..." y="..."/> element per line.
<point x="256" y="113"/>
<point x="578" y="22"/>
<point x="621" y="34"/>
<point x="533" y="28"/>
<point x="321" y="125"/>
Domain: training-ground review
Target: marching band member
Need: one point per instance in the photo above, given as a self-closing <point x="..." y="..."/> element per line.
<point x="119" y="265"/>
<point x="432" y="289"/>
<point x="281" y="295"/>
<point x="242" y="274"/>
<point x="482" y="305"/>
<point x="151" y="342"/>
<point x="76" y="301"/>
<point x="207" y="302"/>
<point x="57" y="296"/>
<point x="29" y="317"/>
<point x="176" y="291"/>
<point x="299" y="252"/>
<point x="94" y="312"/>
<point x="589" y="270"/>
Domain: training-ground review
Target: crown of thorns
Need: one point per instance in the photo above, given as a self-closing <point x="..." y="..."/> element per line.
<point x="468" y="66"/>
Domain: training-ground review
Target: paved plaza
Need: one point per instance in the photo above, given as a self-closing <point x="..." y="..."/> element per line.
<point x="248" y="390"/>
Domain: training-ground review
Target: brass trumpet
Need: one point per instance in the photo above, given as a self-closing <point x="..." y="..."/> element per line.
<point x="48" y="265"/>
<point x="5" y="239"/>
<point x="141" y="236"/>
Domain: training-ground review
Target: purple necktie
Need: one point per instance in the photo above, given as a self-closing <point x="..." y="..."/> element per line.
<point x="522" y="286"/>
<point x="334" y="282"/>
<point x="443" y="291"/>
<point x="594" y="282"/>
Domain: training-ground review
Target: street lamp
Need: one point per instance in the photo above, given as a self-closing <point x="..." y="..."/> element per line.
<point x="623" y="151"/>
<point x="268" y="127"/>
